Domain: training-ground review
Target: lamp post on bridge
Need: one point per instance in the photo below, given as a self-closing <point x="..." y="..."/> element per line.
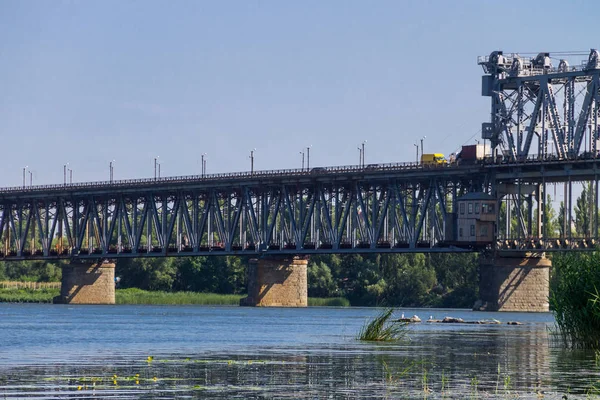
<point x="363" y="153"/>
<point x="155" y="165"/>
<point x="65" y="174"/>
<point x="24" y="172"/>
<point x="111" y="167"/>
<point x="70" y="175"/>
<point x="308" y="157"/>
<point x="203" y="161"/>
<point x="252" y="161"/>
<point x="423" y="138"/>
<point x="417" y="148"/>
<point x="30" y="178"/>
<point x="302" y="153"/>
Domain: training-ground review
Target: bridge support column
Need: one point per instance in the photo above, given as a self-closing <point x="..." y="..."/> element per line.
<point x="87" y="283"/>
<point x="514" y="282"/>
<point x="277" y="282"/>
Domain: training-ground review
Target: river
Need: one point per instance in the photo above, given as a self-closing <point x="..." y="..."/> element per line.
<point x="151" y="352"/>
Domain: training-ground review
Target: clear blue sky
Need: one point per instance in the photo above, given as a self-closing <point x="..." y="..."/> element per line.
<point x="86" y="82"/>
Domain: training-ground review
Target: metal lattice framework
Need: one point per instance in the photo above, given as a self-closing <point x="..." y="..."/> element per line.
<point x="536" y="105"/>
<point x="388" y="208"/>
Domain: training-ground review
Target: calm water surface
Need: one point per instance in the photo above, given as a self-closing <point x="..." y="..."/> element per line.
<point x="61" y="351"/>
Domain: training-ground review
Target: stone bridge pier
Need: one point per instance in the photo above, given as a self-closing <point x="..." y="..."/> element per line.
<point x="514" y="281"/>
<point x="87" y="283"/>
<point x="277" y="282"/>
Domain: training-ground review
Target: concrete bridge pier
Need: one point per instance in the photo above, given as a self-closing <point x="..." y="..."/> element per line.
<point x="514" y="281"/>
<point x="277" y="282"/>
<point x="87" y="283"/>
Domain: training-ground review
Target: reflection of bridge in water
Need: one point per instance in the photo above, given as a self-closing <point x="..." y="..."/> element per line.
<point x="544" y="130"/>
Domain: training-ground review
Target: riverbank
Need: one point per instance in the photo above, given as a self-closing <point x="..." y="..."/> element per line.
<point x="138" y="296"/>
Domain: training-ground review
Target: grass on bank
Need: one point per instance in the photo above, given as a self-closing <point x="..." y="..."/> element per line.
<point x="138" y="296"/>
<point x="381" y="329"/>
<point x="21" y="295"/>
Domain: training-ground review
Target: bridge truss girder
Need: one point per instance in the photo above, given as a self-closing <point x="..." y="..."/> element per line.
<point x="351" y="216"/>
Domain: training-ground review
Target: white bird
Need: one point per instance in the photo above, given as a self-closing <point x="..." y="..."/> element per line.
<point x="402" y="315"/>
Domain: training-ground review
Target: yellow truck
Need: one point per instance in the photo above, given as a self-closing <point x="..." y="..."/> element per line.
<point x="433" y="159"/>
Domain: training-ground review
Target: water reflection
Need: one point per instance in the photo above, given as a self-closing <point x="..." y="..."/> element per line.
<point x="416" y="370"/>
<point x="307" y="354"/>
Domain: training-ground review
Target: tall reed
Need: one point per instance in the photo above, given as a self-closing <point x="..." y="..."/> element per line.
<point x="381" y="329"/>
<point x="575" y="299"/>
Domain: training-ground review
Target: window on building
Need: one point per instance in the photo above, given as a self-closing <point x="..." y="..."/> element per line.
<point x="491" y="208"/>
<point x="483" y="231"/>
<point x="460" y="232"/>
<point x="476" y="208"/>
<point x="472" y="230"/>
<point x="462" y="208"/>
<point x="470" y="208"/>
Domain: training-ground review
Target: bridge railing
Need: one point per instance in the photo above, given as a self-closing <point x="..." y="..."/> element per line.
<point x="313" y="172"/>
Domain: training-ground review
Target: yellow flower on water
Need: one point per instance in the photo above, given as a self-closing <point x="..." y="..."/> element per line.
<point x="155" y="379"/>
<point x="137" y="382"/>
<point x="79" y="387"/>
<point x="115" y="376"/>
<point x="137" y="375"/>
<point x="149" y="359"/>
<point x="114" y="382"/>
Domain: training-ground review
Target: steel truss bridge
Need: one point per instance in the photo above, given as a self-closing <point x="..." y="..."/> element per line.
<point x="402" y="207"/>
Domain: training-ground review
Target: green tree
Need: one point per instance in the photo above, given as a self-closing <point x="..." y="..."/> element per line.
<point x="560" y="220"/>
<point x="31" y="271"/>
<point x="582" y="212"/>
<point x="223" y="275"/>
<point x="320" y="280"/>
<point x="147" y="273"/>
<point x="551" y="221"/>
<point x="514" y="222"/>
<point x="409" y="279"/>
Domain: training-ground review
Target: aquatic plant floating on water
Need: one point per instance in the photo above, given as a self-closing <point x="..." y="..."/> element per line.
<point x="382" y="329"/>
